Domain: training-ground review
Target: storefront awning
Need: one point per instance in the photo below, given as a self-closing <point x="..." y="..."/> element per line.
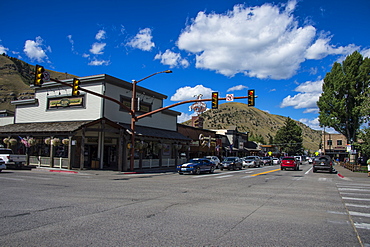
<point x="157" y="133"/>
<point x="41" y="128"/>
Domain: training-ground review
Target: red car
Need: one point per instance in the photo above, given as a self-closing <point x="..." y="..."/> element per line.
<point x="289" y="162"/>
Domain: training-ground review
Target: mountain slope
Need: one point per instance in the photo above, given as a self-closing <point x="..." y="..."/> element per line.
<point x="254" y="121"/>
<point x="15" y="79"/>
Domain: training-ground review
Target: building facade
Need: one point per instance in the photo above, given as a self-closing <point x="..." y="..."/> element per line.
<point x="334" y="145"/>
<point x="89" y="131"/>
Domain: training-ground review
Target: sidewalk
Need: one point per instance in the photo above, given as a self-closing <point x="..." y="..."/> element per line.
<point x="348" y="174"/>
<point x="107" y="172"/>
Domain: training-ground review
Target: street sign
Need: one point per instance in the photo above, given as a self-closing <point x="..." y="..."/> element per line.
<point x="229" y="97"/>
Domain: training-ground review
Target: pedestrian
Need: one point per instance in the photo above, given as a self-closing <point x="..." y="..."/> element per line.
<point x="368" y="167"/>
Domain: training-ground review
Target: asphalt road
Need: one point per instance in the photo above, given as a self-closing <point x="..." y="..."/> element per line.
<point x="251" y="207"/>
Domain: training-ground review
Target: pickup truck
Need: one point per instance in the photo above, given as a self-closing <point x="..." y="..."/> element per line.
<point x="11" y="159"/>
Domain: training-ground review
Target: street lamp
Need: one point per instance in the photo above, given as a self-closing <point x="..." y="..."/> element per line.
<point x="133" y="115"/>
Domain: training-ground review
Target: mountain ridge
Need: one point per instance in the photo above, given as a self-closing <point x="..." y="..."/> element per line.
<point x="255" y="121"/>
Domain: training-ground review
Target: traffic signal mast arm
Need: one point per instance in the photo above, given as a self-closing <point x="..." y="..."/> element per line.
<point x="145" y="114"/>
<point x="181" y="103"/>
<point x="96" y="94"/>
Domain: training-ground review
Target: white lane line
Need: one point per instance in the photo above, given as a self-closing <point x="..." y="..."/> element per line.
<point x="356" y="199"/>
<point x="34" y="177"/>
<point x="308" y="171"/>
<point x="15" y="179"/>
<point x="225" y="176"/>
<point x="352" y="213"/>
<point x="357" y="205"/>
<point x="352" y="184"/>
<point x="362" y="226"/>
<point x="353" y="189"/>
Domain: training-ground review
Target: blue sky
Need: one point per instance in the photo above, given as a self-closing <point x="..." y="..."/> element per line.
<point x="282" y="49"/>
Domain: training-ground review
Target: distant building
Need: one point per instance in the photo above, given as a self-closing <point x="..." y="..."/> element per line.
<point x="334" y="145"/>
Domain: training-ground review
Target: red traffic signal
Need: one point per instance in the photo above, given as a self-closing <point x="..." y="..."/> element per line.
<point x="251" y="97"/>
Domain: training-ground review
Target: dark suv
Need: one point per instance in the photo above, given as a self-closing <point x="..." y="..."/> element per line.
<point x="231" y="163"/>
<point x="323" y="162"/>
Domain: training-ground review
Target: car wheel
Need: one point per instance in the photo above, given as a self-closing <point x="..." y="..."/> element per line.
<point x="212" y="169"/>
<point x="181" y="173"/>
<point x="314" y="170"/>
<point x="197" y="171"/>
<point x="221" y="168"/>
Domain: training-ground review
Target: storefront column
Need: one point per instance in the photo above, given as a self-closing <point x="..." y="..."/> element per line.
<point x="70" y="153"/>
<point x="82" y="153"/>
<point x="51" y="152"/>
<point x="121" y="142"/>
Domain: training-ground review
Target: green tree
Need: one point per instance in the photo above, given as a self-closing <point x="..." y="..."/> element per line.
<point x="340" y="104"/>
<point x="364" y="146"/>
<point x="289" y="138"/>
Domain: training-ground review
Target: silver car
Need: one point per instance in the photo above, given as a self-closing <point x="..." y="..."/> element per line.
<point x="2" y="165"/>
<point x="252" y="161"/>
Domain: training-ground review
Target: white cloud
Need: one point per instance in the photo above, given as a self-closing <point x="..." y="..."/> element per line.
<point x="35" y="50"/>
<point x="100" y="35"/>
<point x="185" y="117"/>
<point x="309" y="93"/>
<point x="263" y="41"/>
<point x="97" y="48"/>
<point x="71" y="41"/>
<point x="321" y="48"/>
<point x="188" y="93"/>
<point x="237" y="88"/>
<point x="172" y="59"/>
<point x="142" y="40"/>
<point x="366" y="53"/>
<point x="3" y="49"/>
<point x="97" y="62"/>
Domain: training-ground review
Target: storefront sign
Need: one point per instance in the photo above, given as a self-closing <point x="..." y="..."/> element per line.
<point x="65" y="102"/>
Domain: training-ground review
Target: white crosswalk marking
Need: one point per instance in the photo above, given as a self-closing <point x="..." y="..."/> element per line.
<point x="356" y="198"/>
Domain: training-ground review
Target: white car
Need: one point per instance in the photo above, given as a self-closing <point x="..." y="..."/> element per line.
<point x="2" y="165"/>
<point x="275" y="161"/>
<point x="214" y="159"/>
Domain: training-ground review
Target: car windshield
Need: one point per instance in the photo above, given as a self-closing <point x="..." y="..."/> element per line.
<point x="323" y="159"/>
<point x="229" y="159"/>
<point x="195" y="161"/>
<point x="250" y="158"/>
<point x="266" y="158"/>
<point x="288" y="158"/>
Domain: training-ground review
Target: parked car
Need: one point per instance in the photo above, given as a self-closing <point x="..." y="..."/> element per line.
<point x="275" y="161"/>
<point x="196" y="166"/>
<point x="2" y="165"/>
<point x="299" y="159"/>
<point x="231" y="163"/>
<point x="214" y="159"/>
<point x="251" y="161"/>
<point x="267" y="161"/>
<point x="11" y="159"/>
<point x="289" y="162"/>
<point x="323" y="162"/>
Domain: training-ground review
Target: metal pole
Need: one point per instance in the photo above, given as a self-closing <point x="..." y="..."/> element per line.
<point x="133" y="117"/>
<point x="133" y="111"/>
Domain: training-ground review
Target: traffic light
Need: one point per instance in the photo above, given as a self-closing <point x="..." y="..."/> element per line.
<point x="251" y="97"/>
<point x="76" y="87"/>
<point x="39" y="76"/>
<point x="214" y="100"/>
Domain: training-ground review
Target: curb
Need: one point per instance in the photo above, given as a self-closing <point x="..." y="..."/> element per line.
<point x="63" y="171"/>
